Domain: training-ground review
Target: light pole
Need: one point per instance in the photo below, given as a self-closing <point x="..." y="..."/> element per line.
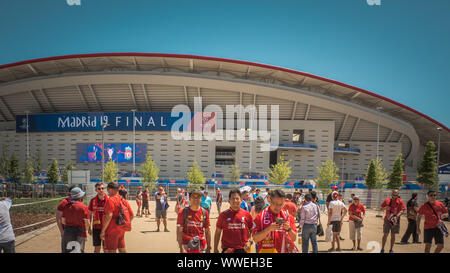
<point x="438" y="154"/>
<point x="28" y="142"/>
<point x="378" y="129"/>
<point x="342" y="172"/>
<point x="104" y="125"/>
<point x="134" y="140"/>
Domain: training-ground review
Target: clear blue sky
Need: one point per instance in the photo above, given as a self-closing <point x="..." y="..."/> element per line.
<point x="400" y="49"/>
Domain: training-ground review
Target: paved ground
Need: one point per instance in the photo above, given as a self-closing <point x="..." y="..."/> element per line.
<point x="144" y="239"/>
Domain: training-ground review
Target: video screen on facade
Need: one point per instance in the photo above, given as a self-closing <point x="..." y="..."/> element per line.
<point x="117" y="152"/>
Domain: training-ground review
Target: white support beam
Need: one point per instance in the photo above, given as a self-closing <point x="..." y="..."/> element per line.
<point x="389" y="136"/>
<point x="342" y="127"/>
<point x="135" y="63"/>
<point x="355" y="95"/>
<point x="30" y="66"/>
<point x="354" y="129"/>
<point x="191" y="65"/>
<point x="36" y="100"/>
<point x="254" y="99"/>
<point x="146" y="97"/>
<point x="240" y="98"/>
<point x="164" y="64"/>
<point x="82" y="64"/>
<point x="293" y="111"/>
<point x="83" y="98"/>
<point x="248" y="72"/>
<point x="307" y="111"/>
<point x="199" y="94"/>
<point x="303" y="81"/>
<point x="94" y="95"/>
<point x="3" y="102"/>
<point x="186" y="100"/>
<point x="133" y="97"/>
<point x="47" y="100"/>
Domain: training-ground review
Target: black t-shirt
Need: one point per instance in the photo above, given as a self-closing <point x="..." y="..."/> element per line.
<point x="123" y="193"/>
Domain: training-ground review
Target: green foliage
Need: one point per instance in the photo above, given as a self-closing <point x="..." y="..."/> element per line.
<point x="376" y="175"/>
<point x="37" y="161"/>
<point x="280" y="172"/>
<point x="65" y="176"/>
<point x="150" y="172"/>
<point x="4" y="161"/>
<point x="13" y="170"/>
<point x="110" y="172"/>
<point x="28" y="171"/>
<point x="427" y="170"/>
<point x="195" y="176"/>
<point x="396" y="179"/>
<point x="53" y="172"/>
<point x="234" y="172"/>
<point x="328" y="174"/>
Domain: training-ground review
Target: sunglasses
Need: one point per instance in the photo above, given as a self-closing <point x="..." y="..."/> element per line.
<point x="100" y="188"/>
<point x="433" y="195"/>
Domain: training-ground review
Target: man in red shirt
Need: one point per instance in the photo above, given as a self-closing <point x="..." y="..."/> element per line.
<point x="274" y="227"/>
<point x="236" y="224"/>
<point x="193" y="233"/>
<point x="433" y="211"/>
<point x="58" y="215"/>
<point x="96" y="208"/>
<point x="75" y="218"/>
<point x="394" y="208"/>
<point x="112" y="234"/>
<point x="290" y="206"/>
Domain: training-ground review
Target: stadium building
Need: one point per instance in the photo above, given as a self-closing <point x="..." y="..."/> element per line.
<point x="65" y="97"/>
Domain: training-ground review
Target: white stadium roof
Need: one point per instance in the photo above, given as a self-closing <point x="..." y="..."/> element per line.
<point x="114" y="82"/>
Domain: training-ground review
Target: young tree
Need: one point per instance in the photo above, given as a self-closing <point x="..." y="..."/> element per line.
<point x="195" y="176"/>
<point x="426" y="172"/>
<point x="4" y="161"/>
<point x="37" y="161"/>
<point x="280" y="172"/>
<point x="396" y="177"/>
<point x="382" y="175"/>
<point x="328" y="174"/>
<point x="150" y="172"/>
<point x="65" y="176"/>
<point x="110" y="172"/>
<point x="234" y="172"/>
<point x="28" y="171"/>
<point x="53" y="172"/>
<point x="13" y="170"/>
<point x="371" y="175"/>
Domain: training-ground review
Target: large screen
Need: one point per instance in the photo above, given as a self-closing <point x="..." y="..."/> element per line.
<point x="117" y="152"/>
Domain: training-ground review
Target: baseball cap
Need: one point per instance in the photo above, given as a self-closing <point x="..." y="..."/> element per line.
<point x="195" y="191"/>
<point x="334" y="187"/>
<point x="334" y="195"/>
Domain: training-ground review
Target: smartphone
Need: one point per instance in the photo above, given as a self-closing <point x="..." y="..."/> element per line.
<point x="279" y="221"/>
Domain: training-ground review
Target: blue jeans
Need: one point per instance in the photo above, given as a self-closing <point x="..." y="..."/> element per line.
<point x="8" y="247"/>
<point x="309" y="231"/>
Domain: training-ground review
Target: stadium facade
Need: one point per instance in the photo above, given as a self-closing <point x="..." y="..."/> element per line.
<point x="319" y="117"/>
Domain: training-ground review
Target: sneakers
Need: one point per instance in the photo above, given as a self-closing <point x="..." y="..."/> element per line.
<point x="338" y="249"/>
<point x="391" y="251"/>
<point x="331" y="250"/>
<point x="382" y="251"/>
<point x="157" y="230"/>
<point x="359" y="249"/>
<point x="166" y="230"/>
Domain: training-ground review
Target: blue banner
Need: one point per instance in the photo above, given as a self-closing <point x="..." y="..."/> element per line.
<point x="117" y="121"/>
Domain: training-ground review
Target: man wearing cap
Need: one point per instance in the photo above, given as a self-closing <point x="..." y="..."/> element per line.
<point x="123" y="192"/>
<point x="193" y="232"/>
<point x="329" y="198"/>
<point x="96" y="208"/>
<point x="112" y="234"/>
<point x="139" y="201"/>
<point x="75" y="218"/>
<point x="58" y="215"/>
<point x="394" y="208"/>
<point x="336" y="214"/>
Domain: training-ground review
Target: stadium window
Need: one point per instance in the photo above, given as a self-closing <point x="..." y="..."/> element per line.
<point x="298" y="136"/>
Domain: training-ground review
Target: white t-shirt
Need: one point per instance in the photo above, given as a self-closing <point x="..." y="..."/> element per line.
<point x="264" y="195"/>
<point x="336" y="207"/>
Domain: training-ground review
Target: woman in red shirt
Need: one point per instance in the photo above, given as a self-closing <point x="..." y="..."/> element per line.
<point x="357" y="211"/>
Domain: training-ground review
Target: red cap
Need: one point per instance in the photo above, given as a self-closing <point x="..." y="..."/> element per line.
<point x="334" y="187"/>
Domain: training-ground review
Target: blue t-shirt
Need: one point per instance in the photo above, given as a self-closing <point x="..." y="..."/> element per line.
<point x="206" y="202"/>
<point x="246" y="206"/>
<point x="160" y="203"/>
<point x="6" y="229"/>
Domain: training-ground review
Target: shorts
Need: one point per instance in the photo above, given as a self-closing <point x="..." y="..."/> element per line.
<point x="387" y="227"/>
<point x="144" y="205"/>
<point x="234" y="251"/>
<point x="96" y="241"/>
<point x="139" y="203"/>
<point x="336" y="226"/>
<point x="430" y="233"/>
<point x="114" y="241"/>
<point x="355" y="233"/>
<point x="161" y="214"/>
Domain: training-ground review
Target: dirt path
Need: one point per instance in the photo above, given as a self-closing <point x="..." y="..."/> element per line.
<point x="144" y="239"/>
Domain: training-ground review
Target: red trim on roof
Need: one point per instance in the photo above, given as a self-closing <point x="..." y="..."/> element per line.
<point x="170" y="55"/>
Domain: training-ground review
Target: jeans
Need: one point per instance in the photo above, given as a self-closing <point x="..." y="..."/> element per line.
<point x="72" y="242"/>
<point x="412" y="229"/>
<point x="8" y="247"/>
<point x="309" y="231"/>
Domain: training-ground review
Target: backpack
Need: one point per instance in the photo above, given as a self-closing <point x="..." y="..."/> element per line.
<point x="123" y="220"/>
